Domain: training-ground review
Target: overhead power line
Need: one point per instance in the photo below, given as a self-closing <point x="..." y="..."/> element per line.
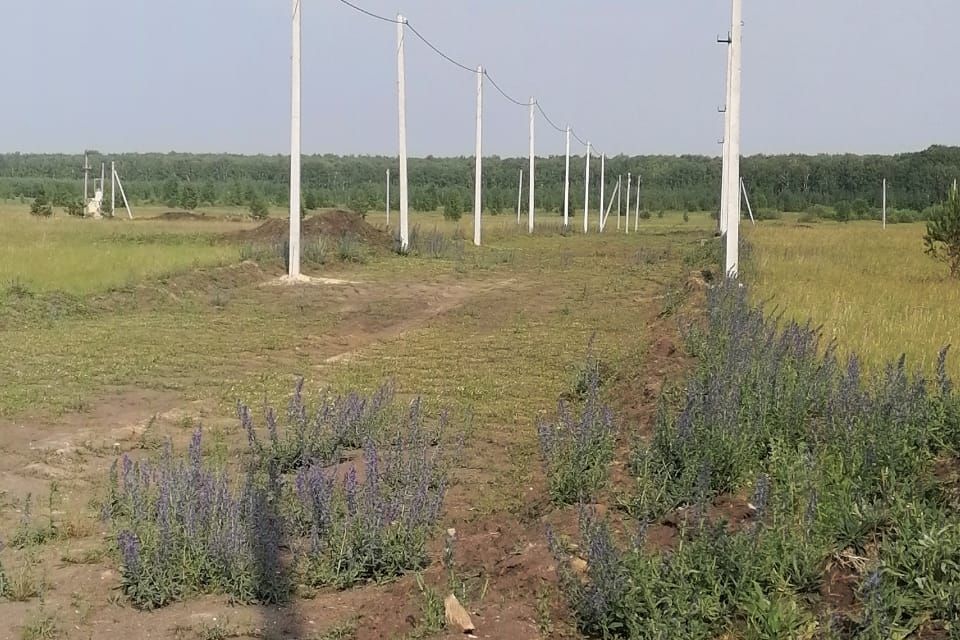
<point x="438" y="52"/>
<point x="460" y="65"/>
<point x="370" y="13"/>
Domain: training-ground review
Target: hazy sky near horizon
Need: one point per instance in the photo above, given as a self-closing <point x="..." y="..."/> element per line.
<point x="866" y="76"/>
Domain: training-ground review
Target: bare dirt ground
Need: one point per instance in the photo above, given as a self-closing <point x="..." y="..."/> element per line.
<point x="500" y="549"/>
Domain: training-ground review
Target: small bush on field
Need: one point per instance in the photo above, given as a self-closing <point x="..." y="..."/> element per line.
<point x="942" y="240"/>
<point x="75" y="208"/>
<point x="183" y="527"/>
<point x="258" y="208"/>
<point x="374" y="524"/>
<point x="318" y="435"/>
<point x="767" y="214"/>
<point x="315" y="251"/>
<point x="839" y="466"/>
<point x="577" y="448"/>
<point x="41" y="207"/>
<point x="348" y="249"/>
<point x="33" y="531"/>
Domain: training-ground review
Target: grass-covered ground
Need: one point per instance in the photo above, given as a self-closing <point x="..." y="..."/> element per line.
<point x="628" y="450"/>
<point x="874" y="290"/>
<point x="96" y="367"/>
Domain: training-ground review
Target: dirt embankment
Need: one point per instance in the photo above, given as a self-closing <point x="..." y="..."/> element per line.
<point x="334" y="223"/>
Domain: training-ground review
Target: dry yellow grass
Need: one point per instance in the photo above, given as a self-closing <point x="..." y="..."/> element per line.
<point x="873" y="290"/>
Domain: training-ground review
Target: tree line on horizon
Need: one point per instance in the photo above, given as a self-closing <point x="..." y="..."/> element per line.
<point x="844" y="186"/>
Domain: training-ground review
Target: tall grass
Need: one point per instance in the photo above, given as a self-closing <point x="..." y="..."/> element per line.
<point x="873" y="290"/>
<point x="88" y="256"/>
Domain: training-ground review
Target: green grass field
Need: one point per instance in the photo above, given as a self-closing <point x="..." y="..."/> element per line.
<point x="120" y="336"/>
<point x="874" y="290"/>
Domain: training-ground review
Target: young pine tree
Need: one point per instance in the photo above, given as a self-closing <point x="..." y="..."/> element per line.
<point x="943" y="233"/>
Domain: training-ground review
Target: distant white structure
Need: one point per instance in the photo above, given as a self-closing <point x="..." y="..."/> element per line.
<point x="93" y="207"/>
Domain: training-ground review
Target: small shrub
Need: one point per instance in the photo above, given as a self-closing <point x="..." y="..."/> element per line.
<point x="40" y="625"/>
<point x="374" y="524"/>
<point x="335" y="424"/>
<point x="183" y="527"/>
<point x="41" y="207"/>
<point x="315" y="251"/>
<point x="942" y="240"/>
<point x="75" y="208"/>
<point x="645" y="214"/>
<point x="453" y="206"/>
<point x="348" y="249"/>
<point x="258" y="208"/>
<point x="577" y="448"/>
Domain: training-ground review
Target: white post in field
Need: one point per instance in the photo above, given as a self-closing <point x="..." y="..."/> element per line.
<point x="519" y="196"/>
<point x="388" y="197"/>
<point x="733" y="207"/>
<point x="746" y="201"/>
<point x="586" y="190"/>
<point x="619" y="208"/>
<point x="603" y="186"/>
<point x="478" y="178"/>
<point x="86" y="180"/>
<point x="725" y="161"/>
<point x="566" y="185"/>
<point x="293" y="271"/>
<point x="123" y="194"/>
<point x="636" y="217"/>
<point x="113" y="188"/>
<point x="532" y="178"/>
<point x="629" y="189"/>
<point x="402" y="127"/>
<point x="884" y="203"/>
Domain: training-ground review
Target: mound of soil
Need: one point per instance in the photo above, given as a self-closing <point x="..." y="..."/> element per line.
<point x="334" y="223"/>
<point x="180" y="215"/>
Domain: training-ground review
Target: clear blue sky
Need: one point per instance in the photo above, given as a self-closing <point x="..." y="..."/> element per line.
<point x="637" y="77"/>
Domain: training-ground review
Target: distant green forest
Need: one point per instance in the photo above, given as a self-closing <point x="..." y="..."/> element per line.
<point x="846" y="183"/>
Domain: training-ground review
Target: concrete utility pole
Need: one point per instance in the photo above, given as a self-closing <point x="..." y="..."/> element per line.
<point x="519" y="196"/>
<point x="629" y="189"/>
<point x="86" y="180"/>
<point x="388" y="197"/>
<point x="732" y="265"/>
<point x="113" y="188"/>
<point x="884" y="203"/>
<point x="725" y="173"/>
<point x="619" y="207"/>
<point x="636" y="217"/>
<point x="566" y="185"/>
<point x="603" y="185"/>
<point x="586" y="190"/>
<point x="532" y="179"/>
<point x="478" y="178"/>
<point x="402" y="127"/>
<point x="293" y="271"/>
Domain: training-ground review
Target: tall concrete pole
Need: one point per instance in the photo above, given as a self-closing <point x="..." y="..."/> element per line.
<point x="629" y="189"/>
<point x="293" y="271"/>
<point x="586" y="190"/>
<point x="566" y="185"/>
<point x="478" y="178"/>
<point x="725" y="174"/>
<point x="388" y="197"/>
<point x="733" y="208"/>
<point x="519" y="196"/>
<point x="402" y="127"/>
<point x="532" y="178"/>
<point x="603" y="185"/>
<point x="113" y="188"/>
<point x="884" y="203"/>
